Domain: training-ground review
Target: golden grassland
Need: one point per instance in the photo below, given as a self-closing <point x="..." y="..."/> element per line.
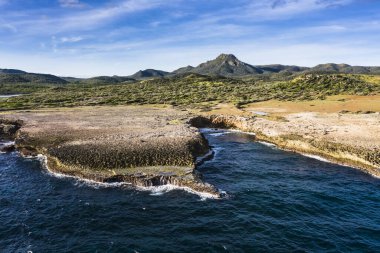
<point x="332" y="104"/>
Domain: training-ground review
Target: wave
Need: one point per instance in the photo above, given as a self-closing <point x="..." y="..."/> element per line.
<point x="162" y="189"/>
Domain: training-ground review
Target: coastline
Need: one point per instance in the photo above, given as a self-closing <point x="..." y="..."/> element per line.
<point x="153" y="150"/>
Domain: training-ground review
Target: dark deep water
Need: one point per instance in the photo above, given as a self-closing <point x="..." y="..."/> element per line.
<point x="278" y="201"/>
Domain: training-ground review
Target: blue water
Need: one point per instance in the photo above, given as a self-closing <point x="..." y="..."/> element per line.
<point x="278" y="201"/>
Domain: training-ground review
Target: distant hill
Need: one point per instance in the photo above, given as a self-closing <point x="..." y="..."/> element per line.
<point x="148" y="73"/>
<point x="12" y="71"/>
<point x="11" y="76"/>
<point x="71" y="79"/>
<point x="102" y="80"/>
<point x="344" y="68"/>
<point x="278" y="68"/>
<point x="183" y="70"/>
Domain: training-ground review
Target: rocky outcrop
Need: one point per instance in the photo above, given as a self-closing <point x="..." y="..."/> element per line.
<point x="8" y="128"/>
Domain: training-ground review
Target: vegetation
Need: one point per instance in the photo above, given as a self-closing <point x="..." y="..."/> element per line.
<point x="190" y="90"/>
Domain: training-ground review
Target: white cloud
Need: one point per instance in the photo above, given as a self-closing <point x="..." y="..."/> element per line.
<point x="88" y="19"/>
<point x="71" y="39"/>
<point x="71" y="3"/>
<point x="263" y="10"/>
<point x="8" y="27"/>
<point x="276" y="9"/>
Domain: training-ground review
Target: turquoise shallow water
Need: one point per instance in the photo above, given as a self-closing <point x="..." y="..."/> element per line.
<point x="277" y="201"/>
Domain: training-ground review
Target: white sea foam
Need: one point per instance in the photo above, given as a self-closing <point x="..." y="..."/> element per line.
<point x="79" y="180"/>
<point x="219" y="134"/>
<point x="7" y="143"/>
<point x="209" y="155"/>
<point x="10" y="96"/>
<point x="268" y="144"/>
<point x="162" y="189"/>
<point x="317" y="158"/>
<point x="217" y="150"/>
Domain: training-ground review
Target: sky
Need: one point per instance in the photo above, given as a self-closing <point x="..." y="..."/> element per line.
<point x="86" y="38"/>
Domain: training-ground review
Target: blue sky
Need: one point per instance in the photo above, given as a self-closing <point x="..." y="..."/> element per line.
<point x="89" y="38"/>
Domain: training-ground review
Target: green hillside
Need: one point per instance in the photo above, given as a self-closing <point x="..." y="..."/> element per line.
<point x="193" y="89"/>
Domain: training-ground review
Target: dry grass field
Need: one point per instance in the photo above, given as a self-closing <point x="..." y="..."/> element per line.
<point x="332" y="104"/>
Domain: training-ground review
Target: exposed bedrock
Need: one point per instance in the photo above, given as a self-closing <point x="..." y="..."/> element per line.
<point x="297" y="137"/>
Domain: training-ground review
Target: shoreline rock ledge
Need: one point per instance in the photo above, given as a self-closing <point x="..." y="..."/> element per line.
<point x="140" y="145"/>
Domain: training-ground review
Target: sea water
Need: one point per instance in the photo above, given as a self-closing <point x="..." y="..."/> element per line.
<point x="275" y="201"/>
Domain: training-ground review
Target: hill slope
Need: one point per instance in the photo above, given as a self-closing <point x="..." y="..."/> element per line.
<point x="148" y="73"/>
<point x="104" y="80"/>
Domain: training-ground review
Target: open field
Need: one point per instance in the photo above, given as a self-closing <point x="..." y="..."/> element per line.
<point x="332" y="104"/>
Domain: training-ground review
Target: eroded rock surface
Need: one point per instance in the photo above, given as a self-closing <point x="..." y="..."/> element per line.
<point x="143" y="145"/>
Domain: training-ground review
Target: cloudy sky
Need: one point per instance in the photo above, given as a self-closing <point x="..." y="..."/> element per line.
<point x="118" y="37"/>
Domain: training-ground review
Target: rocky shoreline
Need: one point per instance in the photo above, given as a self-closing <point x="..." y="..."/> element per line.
<point x="285" y="137"/>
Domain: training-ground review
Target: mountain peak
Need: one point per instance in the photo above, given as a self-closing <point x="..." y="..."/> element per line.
<point x="226" y="65"/>
<point x="227" y="57"/>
